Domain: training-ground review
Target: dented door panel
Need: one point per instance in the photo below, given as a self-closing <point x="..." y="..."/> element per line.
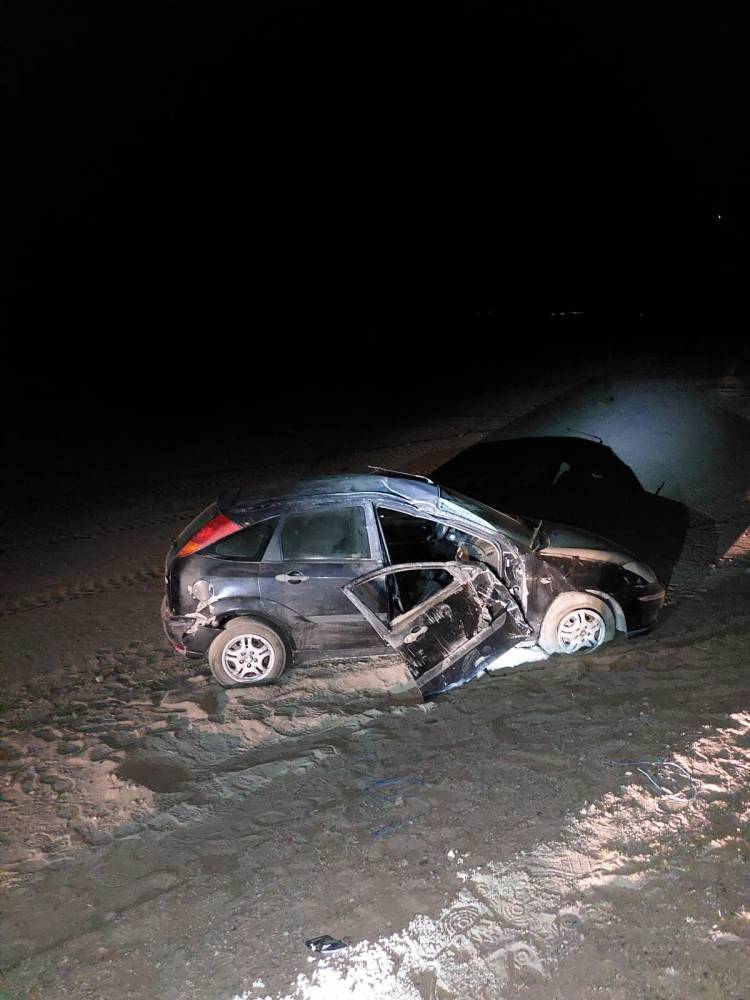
<point x="448" y="638"/>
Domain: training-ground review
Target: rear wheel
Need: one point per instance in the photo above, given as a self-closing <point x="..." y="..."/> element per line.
<point x="247" y="652"/>
<point x="576" y="623"/>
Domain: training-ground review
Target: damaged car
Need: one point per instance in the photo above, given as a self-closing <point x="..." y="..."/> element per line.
<point x="356" y="565"/>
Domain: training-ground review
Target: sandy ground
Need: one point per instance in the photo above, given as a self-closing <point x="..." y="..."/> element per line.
<point x="162" y="838"/>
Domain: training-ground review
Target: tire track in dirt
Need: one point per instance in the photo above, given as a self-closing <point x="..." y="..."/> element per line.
<point x="527" y="925"/>
<point x="75" y="592"/>
<point x="514" y="918"/>
<point x="132" y="726"/>
<point x="97" y="531"/>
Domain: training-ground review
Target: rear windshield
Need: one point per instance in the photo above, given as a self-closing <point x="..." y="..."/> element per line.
<point x="453" y="502"/>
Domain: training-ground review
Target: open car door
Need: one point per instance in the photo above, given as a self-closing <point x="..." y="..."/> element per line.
<point x="447" y="620"/>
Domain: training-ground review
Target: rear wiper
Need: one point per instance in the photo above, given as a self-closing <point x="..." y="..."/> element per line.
<point x="535" y="535"/>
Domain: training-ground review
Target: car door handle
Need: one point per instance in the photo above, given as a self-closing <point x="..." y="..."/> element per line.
<point x="294" y="577"/>
<point x="417" y="632"/>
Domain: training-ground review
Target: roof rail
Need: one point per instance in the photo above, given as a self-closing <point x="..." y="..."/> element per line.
<point x="404" y="475"/>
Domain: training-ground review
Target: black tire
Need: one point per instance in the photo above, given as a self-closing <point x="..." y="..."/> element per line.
<point x="567" y="605"/>
<point x="265" y="654"/>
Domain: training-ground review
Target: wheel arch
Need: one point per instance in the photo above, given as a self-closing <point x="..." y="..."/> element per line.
<point x="614" y="606"/>
<point x="225" y="612"/>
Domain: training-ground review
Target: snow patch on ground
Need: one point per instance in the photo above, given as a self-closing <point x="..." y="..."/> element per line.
<point x="517" y="656"/>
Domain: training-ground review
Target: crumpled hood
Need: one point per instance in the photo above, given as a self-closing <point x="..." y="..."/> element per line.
<point x="565" y="540"/>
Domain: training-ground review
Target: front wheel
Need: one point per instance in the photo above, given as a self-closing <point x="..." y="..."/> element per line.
<point x="576" y="623"/>
<point x="247" y="652"/>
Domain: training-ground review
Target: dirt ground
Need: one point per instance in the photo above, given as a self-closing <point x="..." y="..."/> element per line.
<point x="164" y="838"/>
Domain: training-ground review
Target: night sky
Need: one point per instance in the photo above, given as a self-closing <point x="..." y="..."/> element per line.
<point x="314" y="195"/>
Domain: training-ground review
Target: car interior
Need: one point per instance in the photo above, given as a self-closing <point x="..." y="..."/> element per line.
<point x="418" y="539"/>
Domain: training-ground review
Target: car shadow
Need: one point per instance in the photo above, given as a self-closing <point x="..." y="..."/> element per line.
<point x="573" y="481"/>
<point x="663" y="468"/>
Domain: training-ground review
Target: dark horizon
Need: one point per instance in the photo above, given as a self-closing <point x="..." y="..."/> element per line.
<point x="181" y="166"/>
<point x="223" y="217"/>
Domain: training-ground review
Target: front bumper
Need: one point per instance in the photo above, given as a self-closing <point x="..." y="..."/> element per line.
<point x="642" y="609"/>
<point x="176" y="627"/>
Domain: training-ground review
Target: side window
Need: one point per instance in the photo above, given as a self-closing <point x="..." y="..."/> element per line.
<point x="410" y="538"/>
<point x="393" y="595"/>
<point x="374" y="595"/>
<point x="416" y="539"/>
<point x="337" y="533"/>
<point x="250" y="543"/>
<point x="413" y="586"/>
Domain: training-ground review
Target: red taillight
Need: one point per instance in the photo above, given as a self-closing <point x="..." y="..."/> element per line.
<point x="218" y="527"/>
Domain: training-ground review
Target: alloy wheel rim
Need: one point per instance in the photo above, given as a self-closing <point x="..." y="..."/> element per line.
<point x="581" y="629"/>
<point x="248" y="657"/>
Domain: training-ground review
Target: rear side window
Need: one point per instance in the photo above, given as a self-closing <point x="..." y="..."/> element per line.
<point x="340" y="533"/>
<point x="250" y="543"/>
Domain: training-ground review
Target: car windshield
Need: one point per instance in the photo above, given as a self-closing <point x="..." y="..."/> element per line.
<point x="453" y="502"/>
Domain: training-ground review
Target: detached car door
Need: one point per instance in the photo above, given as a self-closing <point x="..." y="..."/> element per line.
<point x="447" y="620"/>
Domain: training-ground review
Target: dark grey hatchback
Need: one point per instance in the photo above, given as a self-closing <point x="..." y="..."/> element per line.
<point x="352" y="565"/>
